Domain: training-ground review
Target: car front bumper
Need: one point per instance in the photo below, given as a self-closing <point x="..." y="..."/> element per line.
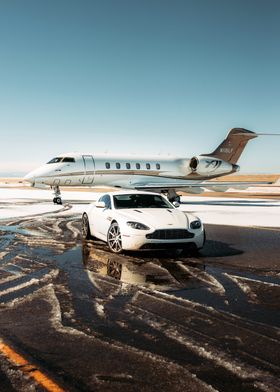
<point x="140" y="241"/>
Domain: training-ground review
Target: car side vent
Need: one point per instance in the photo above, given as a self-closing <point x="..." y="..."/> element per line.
<point x="140" y="212"/>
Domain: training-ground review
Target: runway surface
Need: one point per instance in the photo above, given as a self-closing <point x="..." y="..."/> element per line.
<point x="84" y="319"/>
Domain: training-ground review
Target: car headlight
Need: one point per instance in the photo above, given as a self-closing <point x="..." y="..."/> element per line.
<point x="195" y="224"/>
<point x="138" y="225"/>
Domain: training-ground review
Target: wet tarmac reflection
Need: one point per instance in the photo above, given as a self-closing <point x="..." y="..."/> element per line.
<point x="158" y="270"/>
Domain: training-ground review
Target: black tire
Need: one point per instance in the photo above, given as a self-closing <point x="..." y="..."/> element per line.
<point x="114" y="238"/>
<point x="204" y="240"/>
<point x="85" y="227"/>
<point x="57" y="200"/>
<point x="175" y="198"/>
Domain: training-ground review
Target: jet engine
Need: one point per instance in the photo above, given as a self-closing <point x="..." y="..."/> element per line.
<point x="208" y="166"/>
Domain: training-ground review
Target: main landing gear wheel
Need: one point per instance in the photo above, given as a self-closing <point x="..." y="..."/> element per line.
<point x="172" y="196"/>
<point x="114" y="238"/>
<point x="177" y="198"/>
<point x="85" y="228"/>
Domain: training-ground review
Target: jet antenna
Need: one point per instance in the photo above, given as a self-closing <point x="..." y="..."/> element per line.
<point x="268" y="134"/>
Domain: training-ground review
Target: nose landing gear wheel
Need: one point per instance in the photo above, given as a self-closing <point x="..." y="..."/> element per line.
<point x="57" y="200"/>
<point x="114" y="238"/>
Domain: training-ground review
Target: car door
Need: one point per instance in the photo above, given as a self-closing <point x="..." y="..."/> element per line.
<point x="103" y="216"/>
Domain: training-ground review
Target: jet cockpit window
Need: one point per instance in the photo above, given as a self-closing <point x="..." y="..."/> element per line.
<point x="68" y="159"/>
<point x="55" y="160"/>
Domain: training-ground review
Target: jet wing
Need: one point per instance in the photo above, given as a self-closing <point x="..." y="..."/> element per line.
<point x="215" y="185"/>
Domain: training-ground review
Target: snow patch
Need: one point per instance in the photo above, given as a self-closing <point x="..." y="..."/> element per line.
<point x="234" y="211"/>
<point x="99" y="309"/>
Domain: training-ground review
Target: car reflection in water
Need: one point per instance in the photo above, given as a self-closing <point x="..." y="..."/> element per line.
<point x="153" y="271"/>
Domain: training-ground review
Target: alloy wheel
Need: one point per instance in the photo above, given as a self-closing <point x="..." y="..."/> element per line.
<point x="114" y="238"/>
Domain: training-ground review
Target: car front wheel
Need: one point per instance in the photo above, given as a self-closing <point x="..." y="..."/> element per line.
<point x="114" y="238"/>
<point x="85" y="228"/>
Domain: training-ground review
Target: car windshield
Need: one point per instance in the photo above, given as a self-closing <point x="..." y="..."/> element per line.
<point x="140" y="201"/>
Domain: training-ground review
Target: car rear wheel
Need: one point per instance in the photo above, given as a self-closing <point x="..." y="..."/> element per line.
<point x="114" y="238"/>
<point x="85" y="228"/>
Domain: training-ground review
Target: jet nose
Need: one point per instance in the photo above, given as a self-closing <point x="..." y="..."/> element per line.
<point x="29" y="177"/>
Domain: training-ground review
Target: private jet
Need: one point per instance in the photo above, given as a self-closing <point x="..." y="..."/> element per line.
<point x="158" y="174"/>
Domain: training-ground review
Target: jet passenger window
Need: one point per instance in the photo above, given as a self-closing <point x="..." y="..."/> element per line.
<point x="138" y="166"/>
<point x="68" y="159"/>
<point x="127" y="165"/>
<point x="107" y="165"/>
<point x="148" y="166"/>
<point x="118" y="165"/>
<point x="55" y="160"/>
<point x="158" y="166"/>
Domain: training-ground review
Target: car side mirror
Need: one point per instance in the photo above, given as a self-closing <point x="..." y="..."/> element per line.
<point x="176" y="204"/>
<point x="100" y="204"/>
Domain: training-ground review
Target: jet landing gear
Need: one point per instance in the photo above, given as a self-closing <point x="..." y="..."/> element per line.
<point x="172" y="196"/>
<point x="57" y="195"/>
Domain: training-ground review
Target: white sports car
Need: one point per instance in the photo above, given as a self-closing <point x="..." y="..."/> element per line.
<point x="141" y="220"/>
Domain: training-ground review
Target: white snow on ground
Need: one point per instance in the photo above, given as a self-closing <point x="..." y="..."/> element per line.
<point x="15" y="210"/>
<point x="220" y="211"/>
<point x="8" y="195"/>
<point x="234" y="211"/>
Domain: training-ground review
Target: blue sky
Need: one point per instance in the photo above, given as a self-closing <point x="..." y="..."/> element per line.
<point x="168" y="77"/>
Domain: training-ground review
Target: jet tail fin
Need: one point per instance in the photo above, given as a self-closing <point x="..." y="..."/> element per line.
<point x="233" y="145"/>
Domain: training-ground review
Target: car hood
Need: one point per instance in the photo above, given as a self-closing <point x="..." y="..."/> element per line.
<point x="156" y="217"/>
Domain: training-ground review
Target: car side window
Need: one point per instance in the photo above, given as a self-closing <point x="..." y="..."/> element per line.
<point x="107" y="200"/>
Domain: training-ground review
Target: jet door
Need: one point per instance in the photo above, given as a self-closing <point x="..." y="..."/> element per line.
<point x="89" y="169"/>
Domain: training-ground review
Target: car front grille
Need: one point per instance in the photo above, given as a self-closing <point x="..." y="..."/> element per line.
<point x="170" y="234"/>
